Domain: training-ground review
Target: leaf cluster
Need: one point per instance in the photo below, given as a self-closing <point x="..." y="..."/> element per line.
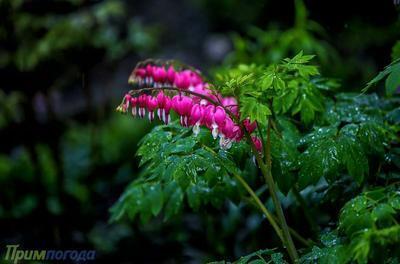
<point x="288" y="87"/>
<point x="368" y="231"/>
<point x="179" y="167"/>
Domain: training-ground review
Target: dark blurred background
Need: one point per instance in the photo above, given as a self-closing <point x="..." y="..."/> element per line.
<point x="66" y="156"/>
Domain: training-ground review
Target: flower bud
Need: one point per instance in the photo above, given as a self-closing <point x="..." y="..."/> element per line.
<point x="250" y="127"/>
<point x="257" y="143"/>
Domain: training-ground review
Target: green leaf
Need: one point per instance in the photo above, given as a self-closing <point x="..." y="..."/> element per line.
<point x="279" y="83"/>
<point x="321" y="159"/>
<point x="372" y="137"/>
<point x="288" y="99"/>
<point x="382" y="211"/>
<point x="381" y="75"/>
<point x="129" y="203"/>
<point x="284" y="162"/>
<point x="298" y="62"/>
<point x="156" y="197"/>
<point x="300" y="58"/>
<point x="353" y="157"/>
<point x="319" y="133"/>
<point x="393" y="80"/>
<point x="307" y="112"/>
<point x="308" y="70"/>
<point x="174" y="203"/>
<point x="267" y="80"/>
<point x="255" y="110"/>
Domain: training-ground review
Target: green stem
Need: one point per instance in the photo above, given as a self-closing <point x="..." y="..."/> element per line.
<point x="286" y="234"/>
<point x="266" y="171"/>
<point x="260" y="205"/>
<point x="272" y="187"/>
<point x="300" y="238"/>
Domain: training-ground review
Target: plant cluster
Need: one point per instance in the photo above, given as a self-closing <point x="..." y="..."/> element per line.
<point x="308" y="139"/>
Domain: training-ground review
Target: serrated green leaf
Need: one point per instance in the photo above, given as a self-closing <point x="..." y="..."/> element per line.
<point x="278" y="83"/>
<point x="318" y="134"/>
<point x="288" y="99"/>
<point x="372" y="137"/>
<point x="267" y="80"/>
<point x="255" y="110"/>
<point x="321" y="159"/>
<point x="307" y="70"/>
<point x="156" y="197"/>
<point x="284" y="162"/>
<point x="353" y="157"/>
<point x="175" y="199"/>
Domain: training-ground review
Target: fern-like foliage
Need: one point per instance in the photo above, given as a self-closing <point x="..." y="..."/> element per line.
<point x="178" y="166"/>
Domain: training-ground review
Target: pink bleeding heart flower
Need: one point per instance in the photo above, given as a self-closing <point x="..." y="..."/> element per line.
<point x="151" y="105"/>
<point x="195" y="79"/>
<point x="227" y="130"/>
<point x="215" y="118"/>
<point x="238" y="133"/>
<point x="182" y="105"/>
<point x="159" y="75"/>
<point x="137" y="75"/>
<point x="126" y="102"/>
<point x="164" y="106"/>
<point x="227" y="134"/>
<point x="182" y="80"/>
<point x="134" y="101"/>
<point x="250" y="127"/>
<point x="142" y="102"/>
<point x="161" y="103"/>
<point x="171" y="74"/>
<point x="149" y="74"/>
<point x="219" y="116"/>
<point x="231" y="104"/>
<point x="140" y="72"/>
<point x="196" y="117"/>
<point x="257" y="143"/>
<point x="230" y="132"/>
<point x="167" y="109"/>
